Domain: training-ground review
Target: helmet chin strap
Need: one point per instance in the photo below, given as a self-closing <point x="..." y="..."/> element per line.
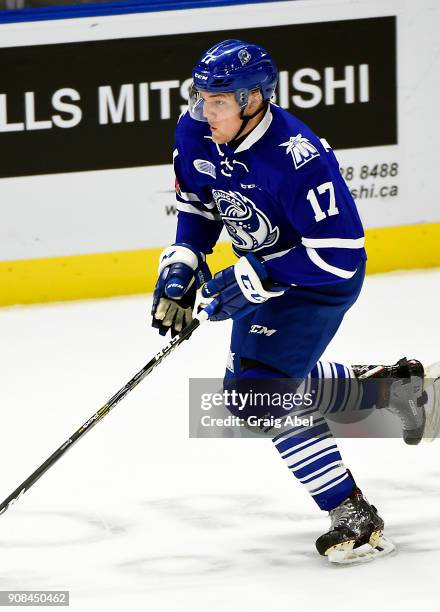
<point x="245" y="120"/>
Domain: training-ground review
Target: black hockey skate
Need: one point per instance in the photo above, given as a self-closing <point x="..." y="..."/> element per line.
<point x="401" y="391"/>
<point x="355" y="535"/>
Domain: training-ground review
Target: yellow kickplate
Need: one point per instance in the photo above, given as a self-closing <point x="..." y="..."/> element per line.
<point x="98" y="275"/>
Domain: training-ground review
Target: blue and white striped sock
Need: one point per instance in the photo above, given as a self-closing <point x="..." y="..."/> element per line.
<point x="311" y="452"/>
<point x="312" y="455"/>
<point x="335" y="388"/>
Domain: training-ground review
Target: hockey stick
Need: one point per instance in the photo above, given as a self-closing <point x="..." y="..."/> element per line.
<point x="202" y="316"/>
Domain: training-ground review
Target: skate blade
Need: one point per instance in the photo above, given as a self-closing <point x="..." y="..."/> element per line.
<point x="345" y="554"/>
<point x="432" y="407"/>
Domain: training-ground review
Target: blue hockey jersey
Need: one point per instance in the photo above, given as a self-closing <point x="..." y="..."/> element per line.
<point x="280" y="195"/>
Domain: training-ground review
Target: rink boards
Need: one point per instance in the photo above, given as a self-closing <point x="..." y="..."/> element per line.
<point x="124" y="272"/>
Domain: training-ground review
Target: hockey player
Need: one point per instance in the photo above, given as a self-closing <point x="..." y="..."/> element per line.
<point x="243" y="163"/>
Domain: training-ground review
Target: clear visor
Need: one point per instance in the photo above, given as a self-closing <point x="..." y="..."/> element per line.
<point x="212" y="107"/>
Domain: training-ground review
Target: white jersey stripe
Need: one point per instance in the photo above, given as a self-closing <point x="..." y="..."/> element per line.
<point x="337" y="243"/>
<point x="318" y="261"/>
<point x="192" y="197"/>
<point x="190" y="208"/>
<point x="277" y="254"/>
<point x="189" y="197"/>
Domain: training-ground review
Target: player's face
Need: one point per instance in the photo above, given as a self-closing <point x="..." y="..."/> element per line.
<point x="223" y="115"/>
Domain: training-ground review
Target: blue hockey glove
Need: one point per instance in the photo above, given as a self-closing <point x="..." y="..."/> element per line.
<point x="239" y="289"/>
<point x="182" y="270"/>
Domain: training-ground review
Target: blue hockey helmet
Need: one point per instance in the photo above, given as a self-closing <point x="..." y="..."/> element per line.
<point x="232" y="66"/>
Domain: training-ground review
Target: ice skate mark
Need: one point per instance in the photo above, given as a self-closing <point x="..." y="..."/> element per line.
<point x="45" y="525"/>
<point x="226" y="511"/>
<point x="210" y="511"/>
<point x="176" y="565"/>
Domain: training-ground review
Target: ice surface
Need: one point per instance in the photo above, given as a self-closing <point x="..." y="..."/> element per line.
<point x="139" y="517"/>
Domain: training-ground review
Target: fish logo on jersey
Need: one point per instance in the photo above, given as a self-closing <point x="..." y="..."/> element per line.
<point x="301" y="150"/>
<point x="248" y="227"/>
